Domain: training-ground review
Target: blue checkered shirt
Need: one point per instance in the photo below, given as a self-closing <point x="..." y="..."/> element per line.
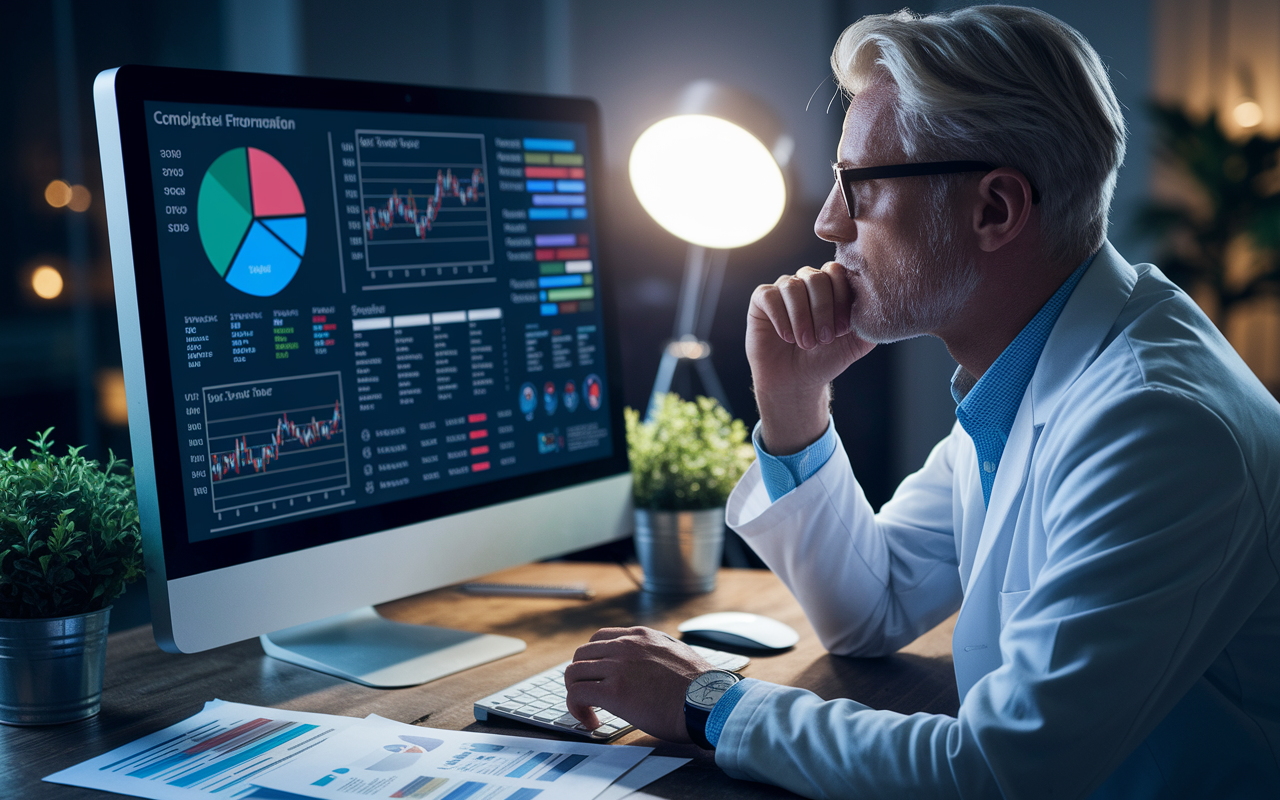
<point x="986" y="408"/>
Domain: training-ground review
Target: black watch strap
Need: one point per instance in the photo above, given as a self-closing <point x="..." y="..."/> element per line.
<point x="695" y="720"/>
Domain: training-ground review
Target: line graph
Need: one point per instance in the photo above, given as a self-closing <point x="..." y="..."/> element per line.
<point x="273" y="443"/>
<point x="287" y="432"/>
<point x="405" y="209"/>
<point x="424" y="200"/>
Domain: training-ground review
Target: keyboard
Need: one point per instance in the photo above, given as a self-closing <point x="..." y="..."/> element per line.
<point x="540" y="700"/>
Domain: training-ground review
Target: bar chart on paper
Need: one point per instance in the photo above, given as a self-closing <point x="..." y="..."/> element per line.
<point x="277" y="448"/>
<point x="424" y="200"/>
<point x="221" y="752"/>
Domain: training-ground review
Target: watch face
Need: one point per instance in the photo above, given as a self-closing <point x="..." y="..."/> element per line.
<point x="707" y="689"/>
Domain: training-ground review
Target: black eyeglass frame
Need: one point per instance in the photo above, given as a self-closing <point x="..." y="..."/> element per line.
<point x="847" y="176"/>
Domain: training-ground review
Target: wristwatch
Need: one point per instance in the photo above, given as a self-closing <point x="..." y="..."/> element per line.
<point x="702" y="695"/>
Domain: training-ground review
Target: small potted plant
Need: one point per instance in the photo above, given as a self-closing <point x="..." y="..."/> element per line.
<point x="684" y="462"/>
<point x="69" y="544"/>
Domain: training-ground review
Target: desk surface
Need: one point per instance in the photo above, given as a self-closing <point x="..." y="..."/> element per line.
<point x="147" y="689"/>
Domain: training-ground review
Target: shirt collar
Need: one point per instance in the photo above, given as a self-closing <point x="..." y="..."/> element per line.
<point x="993" y="399"/>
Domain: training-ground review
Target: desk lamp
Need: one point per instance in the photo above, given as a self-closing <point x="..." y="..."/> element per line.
<point x="712" y="175"/>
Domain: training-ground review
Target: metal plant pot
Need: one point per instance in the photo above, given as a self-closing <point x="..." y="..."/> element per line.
<point x="680" y="550"/>
<point x="51" y="669"/>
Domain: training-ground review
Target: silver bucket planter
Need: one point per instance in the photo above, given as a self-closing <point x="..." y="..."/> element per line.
<point x="51" y="669"/>
<point x="680" y="550"/>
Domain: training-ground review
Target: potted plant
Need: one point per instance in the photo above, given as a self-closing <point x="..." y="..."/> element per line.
<point x="684" y="462"/>
<point x="69" y="544"/>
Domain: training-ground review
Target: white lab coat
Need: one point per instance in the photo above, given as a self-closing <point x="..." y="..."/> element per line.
<point x="1119" y="627"/>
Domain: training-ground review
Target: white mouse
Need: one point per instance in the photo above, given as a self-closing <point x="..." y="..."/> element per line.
<point x="739" y="629"/>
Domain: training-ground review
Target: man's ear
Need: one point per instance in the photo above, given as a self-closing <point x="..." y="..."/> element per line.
<point x="1003" y="207"/>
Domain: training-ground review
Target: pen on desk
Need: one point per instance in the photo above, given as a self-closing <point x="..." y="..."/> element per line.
<point x="577" y="591"/>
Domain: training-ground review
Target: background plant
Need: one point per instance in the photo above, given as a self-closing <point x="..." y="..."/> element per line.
<point x="69" y="535"/>
<point x="688" y="457"/>
<point x="1236" y="196"/>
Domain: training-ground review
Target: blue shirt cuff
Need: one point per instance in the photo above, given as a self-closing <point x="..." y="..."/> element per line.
<point x="722" y="709"/>
<point x="781" y="474"/>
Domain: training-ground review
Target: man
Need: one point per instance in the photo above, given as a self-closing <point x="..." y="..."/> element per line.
<point x="1105" y="514"/>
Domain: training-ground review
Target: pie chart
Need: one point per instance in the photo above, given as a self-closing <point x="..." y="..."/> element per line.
<point x="251" y="220"/>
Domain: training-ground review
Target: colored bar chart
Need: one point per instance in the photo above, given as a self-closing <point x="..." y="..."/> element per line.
<point x="555" y="178"/>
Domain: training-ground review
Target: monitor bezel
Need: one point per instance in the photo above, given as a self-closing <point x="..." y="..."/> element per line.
<point x="136" y="85"/>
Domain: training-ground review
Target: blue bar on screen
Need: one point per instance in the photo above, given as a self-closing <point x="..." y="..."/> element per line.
<point x="540" y="186"/>
<point x="556" y="239"/>
<point x="554" y="213"/>
<point x="549" y="309"/>
<point x="578" y="213"/>
<point x="570" y="186"/>
<point x="557" y="281"/>
<point x="559" y="200"/>
<point x="557" y="145"/>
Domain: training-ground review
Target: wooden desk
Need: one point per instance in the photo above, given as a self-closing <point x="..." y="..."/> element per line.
<point x="147" y="689"/>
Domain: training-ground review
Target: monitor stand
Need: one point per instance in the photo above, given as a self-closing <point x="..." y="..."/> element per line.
<point x="363" y="647"/>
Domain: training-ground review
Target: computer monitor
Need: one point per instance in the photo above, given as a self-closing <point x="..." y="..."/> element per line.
<point x="369" y="350"/>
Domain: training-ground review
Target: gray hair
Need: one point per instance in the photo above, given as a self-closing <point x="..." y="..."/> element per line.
<point x="1011" y="86"/>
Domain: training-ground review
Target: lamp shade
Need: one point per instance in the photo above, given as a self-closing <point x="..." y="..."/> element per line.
<point x="705" y="177"/>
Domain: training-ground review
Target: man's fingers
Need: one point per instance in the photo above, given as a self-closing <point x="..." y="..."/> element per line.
<point x="818" y="285"/>
<point x="611" y="633"/>
<point x="841" y="297"/>
<point x="796" y="297"/>
<point x="582" y="696"/>
<point x="580" y="671"/>
<point x="769" y="301"/>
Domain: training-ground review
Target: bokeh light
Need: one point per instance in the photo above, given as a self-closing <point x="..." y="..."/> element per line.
<point x="1247" y="114"/>
<point x="112" y="405"/>
<point x="57" y="194"/>
<point x="80" y="198"/>
<point x="46" y="282"/>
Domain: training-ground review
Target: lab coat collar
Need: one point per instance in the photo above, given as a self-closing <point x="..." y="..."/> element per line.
<point x="1081" y="329"/>
<point x="1073" y="344"/>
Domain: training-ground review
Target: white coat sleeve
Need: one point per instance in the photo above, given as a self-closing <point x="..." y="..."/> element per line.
<point x="1154" y="560"/>
<point x="868" y="583"/>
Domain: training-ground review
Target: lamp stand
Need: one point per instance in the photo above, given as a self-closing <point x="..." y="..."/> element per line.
<point x="699" y="294"/>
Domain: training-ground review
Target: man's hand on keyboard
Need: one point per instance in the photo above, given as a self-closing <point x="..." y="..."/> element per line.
<point x="638" y="674"/>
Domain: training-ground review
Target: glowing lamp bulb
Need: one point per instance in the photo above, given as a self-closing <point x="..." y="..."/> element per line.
<point x="46" y="282"/>
<point x="707" y="180"/>
<point x="1247" y="114"/>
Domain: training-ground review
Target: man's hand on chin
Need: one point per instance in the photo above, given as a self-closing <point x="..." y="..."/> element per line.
<point x="638" y="674"/>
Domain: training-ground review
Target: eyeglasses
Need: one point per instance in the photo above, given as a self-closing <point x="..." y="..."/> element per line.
<point x="847" y="176"/>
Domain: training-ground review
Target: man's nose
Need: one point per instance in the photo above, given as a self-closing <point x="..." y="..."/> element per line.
<point x="833" y="223"/>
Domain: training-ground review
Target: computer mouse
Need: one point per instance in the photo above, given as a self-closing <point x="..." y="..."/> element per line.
<point x="739" y="629"/>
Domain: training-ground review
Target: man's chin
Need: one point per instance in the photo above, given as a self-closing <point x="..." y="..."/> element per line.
<point x="884" y="333"/>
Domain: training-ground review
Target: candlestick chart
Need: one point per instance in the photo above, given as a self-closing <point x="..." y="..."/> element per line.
<point x="270" y="442"/>
<point x="424" y="200"/>
<point x="405" y="209"/>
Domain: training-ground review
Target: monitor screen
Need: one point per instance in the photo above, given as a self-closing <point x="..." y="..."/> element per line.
<point x="359" y="306"/>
